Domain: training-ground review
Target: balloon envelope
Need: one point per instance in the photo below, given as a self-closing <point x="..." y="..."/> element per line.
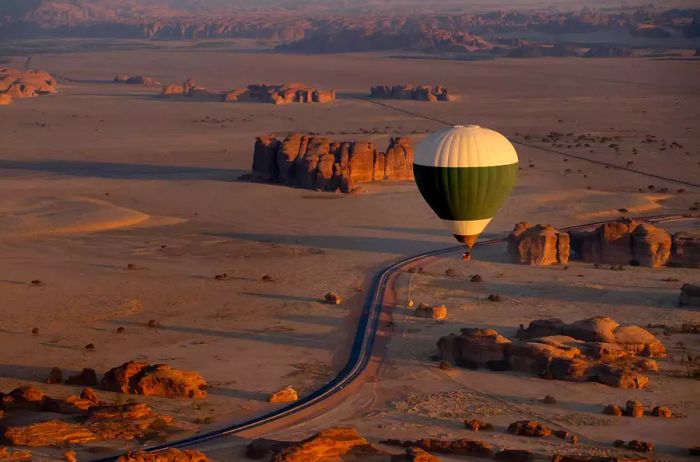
<point x="465" y="174"/>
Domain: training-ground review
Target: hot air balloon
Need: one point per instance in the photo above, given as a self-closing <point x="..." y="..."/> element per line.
<point x="465" y="174"/>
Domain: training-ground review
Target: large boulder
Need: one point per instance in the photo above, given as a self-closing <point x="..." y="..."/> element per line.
<point x="5" y="99"/>
<point x="651" y="246"/>
<point x="595" y="329"/>
<point x="685" y="249"/>
<point x="538" y="245"/>
<point x="287" y="394"/>
<point x="157" y="380"/>
<point x="639" y="341"/>
<point x="172" y="90"/>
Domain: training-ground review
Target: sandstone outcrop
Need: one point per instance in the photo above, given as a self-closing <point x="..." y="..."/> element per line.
<point x="285" y="93"/>
<point x="49" y="433"/>
<point x="437" y="312"/>
<point x="628" y="241"/>
<point x="475" y="348"/>
<point x="538" y="245"/>
<point x="690" y="295"/>
<point x="135" y="79"/>
<point x="286" y="395"/>
<point x="154" y="380"/>
<point x="529" y="428"/>
<point x="595" y="349"/>
<point x="461" y="447"/>
<point x="315" y="162"/>
<point x="169" y="455"/>
<point x="86" y="419"/>
<point x="16" y="84"/>
<point x="414" y="454"/>
<point x="418" y="93"/>
<point x="330" y="443"/>
<point x="9" y="455"/>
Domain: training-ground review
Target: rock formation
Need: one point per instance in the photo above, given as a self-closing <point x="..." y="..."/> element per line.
<point x="460" y="447"/>
<point x="169" y="455"/>
<point x="596" y="349"/>
<point x="16" y="84"/>
<point x="10" y="455"/>
<point x="157" y="380"/>
<point x="286" y="93"/>
<point x="330" y="443"/>
<point x="418" y="93"/>
<point x="628" y="241"/>
<point x="286" y="395"/>
<point x="437" y="312"/>
<point x="475" y="348"/>
<point x="135" y="79"/>
<point x="315" y="162"/>
<point x="538" y="245"/>
<point x="86" y="419"/>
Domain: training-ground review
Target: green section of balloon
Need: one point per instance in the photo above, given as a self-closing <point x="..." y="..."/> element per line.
<point x="465" y="174"/>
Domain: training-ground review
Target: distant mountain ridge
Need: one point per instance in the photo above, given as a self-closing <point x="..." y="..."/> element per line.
<point x="310" y="26"/>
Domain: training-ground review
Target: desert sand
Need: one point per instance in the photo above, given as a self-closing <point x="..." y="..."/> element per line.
<point x="125" y="206"/>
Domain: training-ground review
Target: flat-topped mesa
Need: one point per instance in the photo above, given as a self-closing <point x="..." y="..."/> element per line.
<point x="257" y="93"/>
<point x="316" y="162"/>
<point x="419" y="93"/>
<point x="15" y="84"/>
<point x="135" y="79"/>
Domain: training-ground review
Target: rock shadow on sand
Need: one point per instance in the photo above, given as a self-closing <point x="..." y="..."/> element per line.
<point x="116" y="170"/>
<point x="269" y="335"/>
<point x="357" y="243"/>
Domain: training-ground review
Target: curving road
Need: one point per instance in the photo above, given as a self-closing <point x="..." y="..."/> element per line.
<point x="363" y="344"/>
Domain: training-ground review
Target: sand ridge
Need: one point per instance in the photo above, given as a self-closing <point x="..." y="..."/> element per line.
<point x="40" y="216"/>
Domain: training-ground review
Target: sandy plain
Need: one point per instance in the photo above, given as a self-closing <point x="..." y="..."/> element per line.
<point x="103" y="176"/>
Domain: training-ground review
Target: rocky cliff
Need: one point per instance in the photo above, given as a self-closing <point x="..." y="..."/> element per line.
<point x="315" y="162"/>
